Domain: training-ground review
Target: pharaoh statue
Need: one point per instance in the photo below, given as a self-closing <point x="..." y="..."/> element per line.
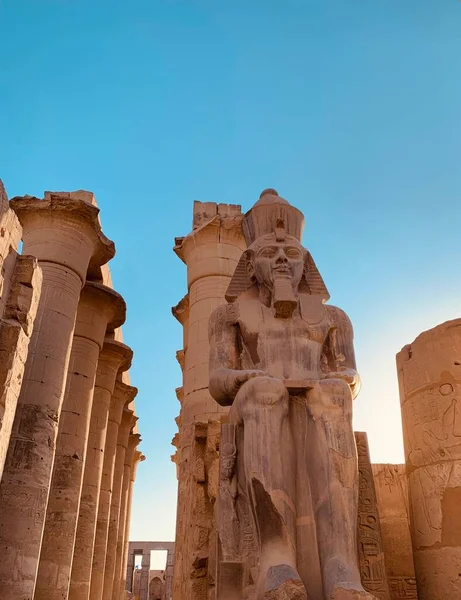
<point x="283" y="360"/>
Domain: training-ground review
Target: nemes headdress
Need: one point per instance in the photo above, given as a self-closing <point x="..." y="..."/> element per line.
<point x="274" y="215"/>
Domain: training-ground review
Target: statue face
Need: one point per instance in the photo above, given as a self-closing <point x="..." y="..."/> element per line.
<point x="272" y="260"/>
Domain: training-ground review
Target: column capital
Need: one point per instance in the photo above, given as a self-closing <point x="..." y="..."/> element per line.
<point x="100" y="309"/>
<point x="223" y="232"/>
<point x="116" y="352"/>
<point x="138" y="457"/>
<point x="64" y="230"/>
<point x="134" y="439"/>
<point x="122" y="396"/>
<point x="127" y="423"/>
<point x="181" y="310"/>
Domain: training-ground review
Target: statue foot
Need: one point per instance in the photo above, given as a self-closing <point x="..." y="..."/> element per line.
<point x="345" y="592"/>
<point x="283" y="583"/>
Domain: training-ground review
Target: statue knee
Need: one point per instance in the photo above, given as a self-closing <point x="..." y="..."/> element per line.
<point x="262" y="392"/>
<point x="266" y="390"/>
<point x="337" y="394"/>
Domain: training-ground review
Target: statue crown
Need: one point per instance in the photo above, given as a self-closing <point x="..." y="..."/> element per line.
<point x="267" y="215"/>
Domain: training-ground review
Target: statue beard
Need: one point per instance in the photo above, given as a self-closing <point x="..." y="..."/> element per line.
<point x="283" y="296"/>
<point x="279" y="289"/>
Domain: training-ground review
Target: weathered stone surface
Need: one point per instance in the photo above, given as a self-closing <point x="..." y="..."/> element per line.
<point x="370" y="544"/>
<point x="391" y="486"/>
<point x="284" y="362"/>
<point x="66" y="238"/>
<point x="16" y="326"/>
<point x="429" y="372"/>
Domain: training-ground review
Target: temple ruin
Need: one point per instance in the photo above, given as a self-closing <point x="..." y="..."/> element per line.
<point x="68" y="435"/>
<point x="254" y="521"/>
<point x="277" y="496"/>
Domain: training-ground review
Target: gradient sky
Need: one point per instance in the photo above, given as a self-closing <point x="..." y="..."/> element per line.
<point x="351" y="110"/>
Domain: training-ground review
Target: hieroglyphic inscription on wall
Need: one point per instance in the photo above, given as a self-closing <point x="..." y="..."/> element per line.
<point x="370" y="548"/>
<point x="403" y="588"/>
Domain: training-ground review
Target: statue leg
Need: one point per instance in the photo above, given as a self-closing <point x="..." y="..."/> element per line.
<point x="333" y="476"/>
<point x="270" y="469"/>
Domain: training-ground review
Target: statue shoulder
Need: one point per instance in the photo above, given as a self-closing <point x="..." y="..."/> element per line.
<point x="337" y="317"/>
<point x="226" y="314"/>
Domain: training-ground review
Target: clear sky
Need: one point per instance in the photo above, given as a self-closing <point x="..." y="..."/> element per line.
<point x="351" y="110"/>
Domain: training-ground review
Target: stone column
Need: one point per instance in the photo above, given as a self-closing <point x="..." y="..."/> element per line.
<point x="123" y="394"/>
<point x="129" y="578"/>
<point x="127" y="583"/>
<point x="429" y="373"/>
<point x="133" y="441"/>
<point x="100" y="308"/>
<point x="145" y="572"/>
<point x="126" y="425"/>
<point x="211" y="251"/>
<point x="114" y="357"/>
<point x="65" y="236"/>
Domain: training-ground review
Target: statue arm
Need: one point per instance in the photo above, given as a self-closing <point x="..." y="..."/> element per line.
<point x="226" y="376"/>
<point x="340" y="350"/>
<point x="224" y="363"/>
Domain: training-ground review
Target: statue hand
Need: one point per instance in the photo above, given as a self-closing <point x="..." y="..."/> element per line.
<point x="225" y="383"/>
<point x="244" y="376"/>
<point x="350" y="376"/>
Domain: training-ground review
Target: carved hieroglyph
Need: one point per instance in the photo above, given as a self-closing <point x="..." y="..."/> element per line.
<point x="370" y="546"/>
<point x="429" y="373"/>
<point x="284" y="361"/>
<point x="391" y="486"/>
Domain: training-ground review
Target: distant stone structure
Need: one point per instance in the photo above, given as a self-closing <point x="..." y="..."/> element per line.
<point x="240" y="516"/>
<point x="63" y="365"/>
<point x="145" y="583"/>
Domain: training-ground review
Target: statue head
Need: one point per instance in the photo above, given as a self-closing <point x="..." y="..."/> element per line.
<point x="277" y="263"/>
<point x="275" y="259"/>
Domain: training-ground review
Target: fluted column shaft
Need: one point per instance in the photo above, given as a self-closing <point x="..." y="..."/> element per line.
<point x="127" y="583"/>
<point x="118" y="402"/>
<point x="128" y="421"/>
<point x="99" y="307"/>
<point x="65" y="236"/>
<point x="133" y="441"/>
<point x="114" y="357"/>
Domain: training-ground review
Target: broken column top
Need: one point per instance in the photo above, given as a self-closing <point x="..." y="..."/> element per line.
<point x="65" y="210"/>
<point x="77" y="195"/>
<point x="204" y="211"/>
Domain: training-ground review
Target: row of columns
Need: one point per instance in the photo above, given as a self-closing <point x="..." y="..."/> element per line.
<point x="68" y="475"/>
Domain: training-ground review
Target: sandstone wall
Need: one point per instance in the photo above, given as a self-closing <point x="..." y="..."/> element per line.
<point x="391" y="486"/>
<point x="20" y="287"/>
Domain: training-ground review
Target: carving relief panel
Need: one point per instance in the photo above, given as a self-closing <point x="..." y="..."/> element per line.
<point x="371" y="555"/>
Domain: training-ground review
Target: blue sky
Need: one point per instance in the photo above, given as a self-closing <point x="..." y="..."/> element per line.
<point x="351" y="110"/>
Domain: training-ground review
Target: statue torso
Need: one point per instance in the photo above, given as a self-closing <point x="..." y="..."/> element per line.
<point x="286" y="348"/>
